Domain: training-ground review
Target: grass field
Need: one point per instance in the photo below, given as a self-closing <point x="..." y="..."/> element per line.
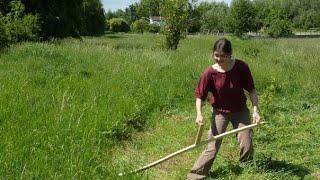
<point x="90" y="109"/>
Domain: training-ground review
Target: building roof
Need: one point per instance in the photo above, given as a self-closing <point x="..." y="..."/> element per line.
<point x="156" y="18"/>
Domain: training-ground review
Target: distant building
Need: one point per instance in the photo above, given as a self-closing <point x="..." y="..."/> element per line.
<point x="156" y="20"/>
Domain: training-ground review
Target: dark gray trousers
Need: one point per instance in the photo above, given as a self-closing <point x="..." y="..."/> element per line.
<point x="219" y="125"/>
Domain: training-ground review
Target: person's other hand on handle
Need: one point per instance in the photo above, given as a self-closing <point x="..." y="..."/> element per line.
<point x="256" y="116"/>
<point x="199" y="119"/>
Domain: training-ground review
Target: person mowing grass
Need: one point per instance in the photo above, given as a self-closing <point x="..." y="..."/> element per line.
<point x="226" y="80"/>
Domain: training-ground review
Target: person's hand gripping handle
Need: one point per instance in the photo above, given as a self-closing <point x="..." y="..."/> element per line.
<point x="199" y="133"/>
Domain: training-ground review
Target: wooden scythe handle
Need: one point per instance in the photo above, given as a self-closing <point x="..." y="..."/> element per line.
<point x="199" y="134"/>
<point x="200" y="143"/>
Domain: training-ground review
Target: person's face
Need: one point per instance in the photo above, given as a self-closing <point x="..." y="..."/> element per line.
<point x="221" y="57"/>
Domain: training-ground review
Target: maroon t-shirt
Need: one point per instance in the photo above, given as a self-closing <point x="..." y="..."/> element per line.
<point x="226" y="87"/>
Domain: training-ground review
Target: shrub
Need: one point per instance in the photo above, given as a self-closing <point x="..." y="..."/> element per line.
<point x="140" y="26"/>
<point x="19" y="26"/>
<point x="153" y="28"/>
<point x="107" y="26"/>
<point x="279" y="28"/>
<point x="118" y="25"/>
<point x="242" y="17"/>
<point x="3" y="35"/>
<point x="25" y="28"/>
<point x="309" y="19"/>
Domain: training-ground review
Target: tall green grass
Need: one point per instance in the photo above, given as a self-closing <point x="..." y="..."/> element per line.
<point x="67" y="105"/>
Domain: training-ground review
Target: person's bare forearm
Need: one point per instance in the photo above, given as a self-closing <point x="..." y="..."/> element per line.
<point x="199" y="118"/>
<point x="254" y="100"/>
<point x="199" y="106"/>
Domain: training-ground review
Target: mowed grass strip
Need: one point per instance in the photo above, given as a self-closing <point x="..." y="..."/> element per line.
<point x="67" y="106"/>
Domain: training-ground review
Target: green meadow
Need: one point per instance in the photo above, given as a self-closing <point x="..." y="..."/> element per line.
<point x="91" y="109"/>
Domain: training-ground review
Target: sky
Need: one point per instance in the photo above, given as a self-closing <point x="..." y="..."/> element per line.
<point x="113" y="5"/>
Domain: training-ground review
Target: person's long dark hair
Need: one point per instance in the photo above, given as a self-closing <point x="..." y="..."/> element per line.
<point x="224" y="45"/>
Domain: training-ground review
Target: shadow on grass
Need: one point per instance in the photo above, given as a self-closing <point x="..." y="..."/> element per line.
<point x="294" y="36"/>
<point x="225" y="171"/>
<point x="270" y="165"/>
<point x="4" y="50"/>
<point x="306" y="36"/>
<point x="112" y="35"/>
<point x="265" y="165"/>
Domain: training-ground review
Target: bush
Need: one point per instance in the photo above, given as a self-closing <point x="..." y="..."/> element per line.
<point x="153" y="28"/>
<point x="25" y="28"/>
<point x="140" y="26"/>
<point x="3" y="35"/>
<point x="107" y="26"/>
<point x="19" y="26"/>
<point x="309" y="19"/>
<point x="242" y="17"/>
<point x="279" y="28"/>
<point x="31" y="27"/>
<point x="118" y="25"/>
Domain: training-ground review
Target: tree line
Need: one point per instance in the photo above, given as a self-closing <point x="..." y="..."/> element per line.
<point x="44" y="19"/>
<point x="275" y="18"/>
<point x="22" y="20"/>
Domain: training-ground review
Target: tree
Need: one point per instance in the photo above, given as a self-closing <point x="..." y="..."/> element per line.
<point x="118" y="25"/>
<point x="4" y="6"/>
<point x="204" y="6"/>
<point x="262" y="11"/>
<point x="93" y="19"/>
<point x="242" y="17"/>
<point x="62" y="18"/>
<point x="131" y="14"/>
<point x="19" y="26"/>
<point x="58" y="18"/>
<point x="149" y="8"/>
<point x="309" y="19"/>
<point x="300" y="14"/>
<point x="194" y="19"/>
<point x="109" y="15"/>
<point x="107" y="25"/>
<point x="279" y="28"/>
<point x="215" y="18"/>
<point x="3" y="34"/>
<point x="277" y="22"/>
<point x="140" y="26"/>
<point x="176" y="16"/>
